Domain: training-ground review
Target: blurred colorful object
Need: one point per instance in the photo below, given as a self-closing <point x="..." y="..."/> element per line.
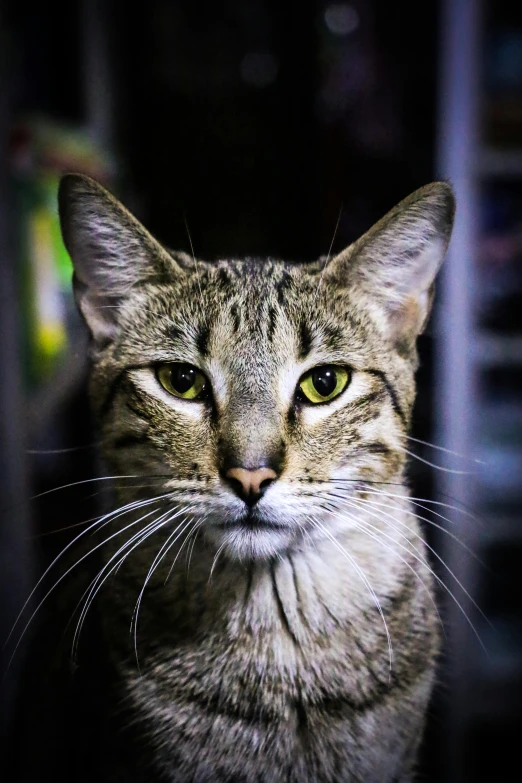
<point x="41" y="152"/>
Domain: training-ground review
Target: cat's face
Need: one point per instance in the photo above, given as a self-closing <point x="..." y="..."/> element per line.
<point x="262" y="394"/>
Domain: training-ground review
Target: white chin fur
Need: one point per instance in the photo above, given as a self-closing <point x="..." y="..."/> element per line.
<point x="239" y="543"/>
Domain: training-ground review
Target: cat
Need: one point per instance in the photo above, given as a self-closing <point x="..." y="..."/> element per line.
<point x="264" y="554"/>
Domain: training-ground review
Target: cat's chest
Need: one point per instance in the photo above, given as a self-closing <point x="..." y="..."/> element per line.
<point x="244" y="717"/>
<point x="269" y="663"/>
<point x="256" y="685"/>
<point x="274" y="641"/>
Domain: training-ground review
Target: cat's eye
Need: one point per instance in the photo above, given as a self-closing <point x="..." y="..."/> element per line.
<point x="324" y="383"/>
<point x="182" y="380"/>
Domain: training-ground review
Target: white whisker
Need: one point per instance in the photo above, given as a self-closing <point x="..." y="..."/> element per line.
<point x="418" y="557"/>
<point x="96" y="584"/>
<point x="381" y="515"/>
<point x="327" y="260"/>
<point x="367" y="489"/>
<point x="433" y="464"/>
<point x="99" y="524"/>
<point x="446" y="451"/>
<point x="429" y="522"/>
<point x="364" y="578"/>
<point x="164" y="549"/>
<point x="191" y="547"/>
<point x="216" y="559"/>
<point x="79" y="483"/>
<point x="203" y="310"/>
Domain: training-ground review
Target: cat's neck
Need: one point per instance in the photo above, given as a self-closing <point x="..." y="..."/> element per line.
<point x="300" y="597"/>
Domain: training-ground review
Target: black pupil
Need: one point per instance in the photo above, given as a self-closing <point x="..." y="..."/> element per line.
<point x="324" y="380"/>
<point x="183" y="377"/>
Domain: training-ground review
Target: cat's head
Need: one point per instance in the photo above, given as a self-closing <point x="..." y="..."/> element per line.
<point x="262" y="394"/>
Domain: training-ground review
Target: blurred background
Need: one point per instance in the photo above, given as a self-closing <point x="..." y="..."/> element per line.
<point x="261" y="125"/>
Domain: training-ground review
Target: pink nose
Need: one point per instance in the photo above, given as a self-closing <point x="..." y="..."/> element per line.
<point x="249" y="485"/>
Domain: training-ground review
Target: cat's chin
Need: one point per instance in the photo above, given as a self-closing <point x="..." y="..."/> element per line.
<point x="250" y="537"/>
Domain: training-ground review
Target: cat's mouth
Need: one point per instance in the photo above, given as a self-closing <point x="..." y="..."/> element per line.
<point x="251" y="520"/>
<point x="251" y="533"/>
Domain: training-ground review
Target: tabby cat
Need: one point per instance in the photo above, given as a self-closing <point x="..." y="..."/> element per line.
<point x="265" y="555"/>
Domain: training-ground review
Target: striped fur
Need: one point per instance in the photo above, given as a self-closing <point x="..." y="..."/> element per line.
<point x="300" y="647"/>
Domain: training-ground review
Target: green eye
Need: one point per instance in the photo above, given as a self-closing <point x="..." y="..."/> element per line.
<point x="324" y="383"/>
<point x="181" y="380"/>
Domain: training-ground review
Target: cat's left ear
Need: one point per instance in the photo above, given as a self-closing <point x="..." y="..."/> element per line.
<point x="393" y="266"/>
<point x="111" y="252"/>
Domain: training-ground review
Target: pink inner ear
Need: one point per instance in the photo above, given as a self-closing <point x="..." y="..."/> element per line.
<point x="407" y="320"/>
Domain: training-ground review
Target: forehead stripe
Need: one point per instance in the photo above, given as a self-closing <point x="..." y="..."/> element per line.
<point x="234" y="312"/>
<point x="305" y="340"/>
<point x="282" y="285"/>
<point x="202" y="340"/>
<point x="272" y="317"/>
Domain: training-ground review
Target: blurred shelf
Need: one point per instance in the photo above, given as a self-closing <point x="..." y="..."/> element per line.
<point x="492" y="349"/>
<point x="498" y="527"/>
<point x="505" y="416"/>
<point x="494" y="697"/>
<point x="500" y="162"/>
<point x="46" y="402"/>
<point x="496" y="674"/>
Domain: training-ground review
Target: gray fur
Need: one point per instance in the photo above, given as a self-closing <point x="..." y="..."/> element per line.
<point x="267" y="659"/>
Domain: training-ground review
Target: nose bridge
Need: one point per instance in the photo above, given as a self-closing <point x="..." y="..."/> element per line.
<point x="251" y="436"/>
<point x="251" y="425"/>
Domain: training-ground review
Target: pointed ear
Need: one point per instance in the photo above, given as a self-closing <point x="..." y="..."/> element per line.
<point x="393" y="266"/>
<point x="110" y="250"/>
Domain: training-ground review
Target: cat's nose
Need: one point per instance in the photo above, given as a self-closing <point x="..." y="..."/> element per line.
<point x="250" y="485"/>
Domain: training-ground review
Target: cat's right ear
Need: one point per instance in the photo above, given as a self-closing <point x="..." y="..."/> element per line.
<point x="111" y="252"/>
<point x="392" y="267"/>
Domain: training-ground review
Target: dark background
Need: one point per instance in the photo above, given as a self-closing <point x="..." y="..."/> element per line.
<point x="259" y="126"/>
